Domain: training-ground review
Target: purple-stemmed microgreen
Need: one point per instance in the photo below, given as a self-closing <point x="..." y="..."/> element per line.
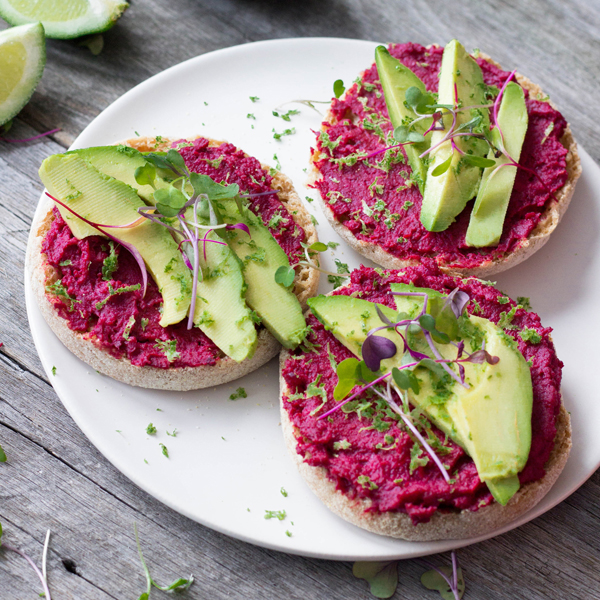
<point x="31" y="139"/>
<point x="130" y="247"/>
<point x="41" y="574"/>
<point x="449" y="582"/>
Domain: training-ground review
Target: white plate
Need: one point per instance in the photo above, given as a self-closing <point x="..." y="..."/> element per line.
<point x="228" y="462"/>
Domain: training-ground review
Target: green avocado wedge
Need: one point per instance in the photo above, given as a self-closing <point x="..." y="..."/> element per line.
<point x="489" y="211"/>
<point x="221" y="311"/>
<point x="395" y="80"/>
<point x="120" y="162"/>
<point x="260" y="257"/>
<point x="491" y="420"/>
<point x="446" y="194"/>
<point x="105" y="200"/>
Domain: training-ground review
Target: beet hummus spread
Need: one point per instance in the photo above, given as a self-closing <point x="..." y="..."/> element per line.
<point x="363" y="450"/>
<point x="380" y="203"/>
<point x="127" y="325"/>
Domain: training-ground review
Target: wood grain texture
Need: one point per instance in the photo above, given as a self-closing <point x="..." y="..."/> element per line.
<point x="55" y="479"/>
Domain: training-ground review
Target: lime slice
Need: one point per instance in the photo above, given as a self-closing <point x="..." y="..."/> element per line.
<point x="64" y="18"/>
<point x="22" y="60"/>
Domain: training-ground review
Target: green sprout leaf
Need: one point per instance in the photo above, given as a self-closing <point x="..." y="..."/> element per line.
<point x="416" y="137"/>
<point x="2" y="460"/>
<point x="346" y="372"/>
<point x="159" y="160"/>
<point x="442" y="167"/>
<point x="413" y="96"/>
<point x="176" y="160"/>
<point x="146" y="174"/>
<point x="285" y="276"/>
<point x="203" y="184"/>
<point x="432" y="580"/>
<point x="338" y="88"/>
<point x="169" y="201"/>
<point x="318" y="247"/>
<point x="406" y="379"/>
<point x="401" y="134"/>
<point x="381" y="576"/>
<point x="478" y="161"/>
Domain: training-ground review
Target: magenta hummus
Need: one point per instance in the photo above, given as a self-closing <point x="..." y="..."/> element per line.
<point x="365" y="440"/>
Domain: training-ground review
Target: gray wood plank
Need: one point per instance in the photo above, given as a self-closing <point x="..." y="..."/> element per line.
<point x="56" y="479"/>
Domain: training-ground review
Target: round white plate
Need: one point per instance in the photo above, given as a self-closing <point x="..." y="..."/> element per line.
<point x="228" y="463"/>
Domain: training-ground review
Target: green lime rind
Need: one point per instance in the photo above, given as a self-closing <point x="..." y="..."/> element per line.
<point x="65" y="19"/>
<point x="22" y="61"/>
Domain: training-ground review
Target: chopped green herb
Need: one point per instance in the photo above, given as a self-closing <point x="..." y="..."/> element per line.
<point x="239" y="393"/>
<point x="172" y="433"/>
<point x="114" y="291"/>
<point x="530" y="335"/>
<point x="164" y="450"/>
<point x="278" y="136"/>
<point x="53" y="370"/>
<point x="110" y="263"/>
<point x="65" y="263"/>
<point x="524" y="302"/>
<point x="128" y="327"/>
<point x="283" y="492"/>
<point x="342" y="445"/>
<point x="417" y="458"/>
<point x="275" y="514"/>
<point x="503" y="299"/>
<point x="286" y="116"/>
<point x="288" y="533"/>
<point x="151" y="430"/>
<point x="309" y="199"/>
<point x="251" y="116"/>
<point x="254" y="98"/>
<point x="3" y="459"/>
<point x="366" y="483"/>
<point x="144" y="324"/>
<point x="169" y="348"/>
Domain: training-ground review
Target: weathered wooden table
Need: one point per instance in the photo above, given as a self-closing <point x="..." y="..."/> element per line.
<point x="55" y="479"/>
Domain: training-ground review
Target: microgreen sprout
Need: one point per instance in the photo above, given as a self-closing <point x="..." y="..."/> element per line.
<point x="179" y="584"/>
<point x="41" y="574"/>
<point x="31" y="139"/>
<point x="448" y="582"/>
<point x="284" y="275"/>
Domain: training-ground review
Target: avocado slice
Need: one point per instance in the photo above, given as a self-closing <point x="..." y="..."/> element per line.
<point x="350" y="319"/>
<point x="105" y="200"/>
<point x="446" y="195"/>
<point x="221" y="311"/>
<point x="260" y="256"/>
<point x="228" y="324"/>
<point x="395" y="80"/>
<point x="489" y="211"/>
<point x="491" y="420"/>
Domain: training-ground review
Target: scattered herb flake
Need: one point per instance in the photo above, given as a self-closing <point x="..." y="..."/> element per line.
<point x="151" y="430"/>
<point x="53" y="370"/>
<point x="275" y="514"/>
<point x="283" y="492"/>
<point x="239" y="393"/>
<point x="164" y="450"/>
<point x="254" y="98"/>
<point x="530" y="335"/>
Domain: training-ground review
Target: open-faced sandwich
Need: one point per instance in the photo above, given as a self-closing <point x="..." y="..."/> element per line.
<point x="424" y="406"/>
<point x="423" y="132"/>
<point x="155" y="261"/>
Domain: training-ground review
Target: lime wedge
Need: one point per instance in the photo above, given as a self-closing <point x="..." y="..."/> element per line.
<point x="22" y="60"/>
<point x="64" y="18"/>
